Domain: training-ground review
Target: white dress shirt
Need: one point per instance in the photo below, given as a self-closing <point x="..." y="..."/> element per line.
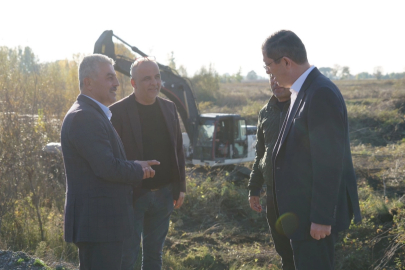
<point x="297" y="85"/>
<point x="105" y="109"/>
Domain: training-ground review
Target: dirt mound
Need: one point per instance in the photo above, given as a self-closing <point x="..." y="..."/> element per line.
<point x="19" y="260"/>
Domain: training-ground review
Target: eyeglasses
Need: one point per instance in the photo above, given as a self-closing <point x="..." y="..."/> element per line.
<point x="267" y="66"/>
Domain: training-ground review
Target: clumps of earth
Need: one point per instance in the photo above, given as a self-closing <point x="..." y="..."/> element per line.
<point x="19" y="260"/>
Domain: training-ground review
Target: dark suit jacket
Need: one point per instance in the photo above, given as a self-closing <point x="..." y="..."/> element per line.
<point x="313" y="171"/>
<point x="125" y="119"/>
<point x="99" y="179"/>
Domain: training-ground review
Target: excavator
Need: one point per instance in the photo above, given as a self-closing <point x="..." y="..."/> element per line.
<point x="211" y="139"/>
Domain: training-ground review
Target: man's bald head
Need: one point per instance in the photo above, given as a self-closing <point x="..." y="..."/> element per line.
<point x="146" y="81"/>
<point x="139" y="62"/>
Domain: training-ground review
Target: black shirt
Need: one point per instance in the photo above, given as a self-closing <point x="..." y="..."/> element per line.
<point x="280" y="105"/>
<point x="156" y="144"/>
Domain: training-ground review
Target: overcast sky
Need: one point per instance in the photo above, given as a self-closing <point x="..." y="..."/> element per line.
<point x="359" y="34"/>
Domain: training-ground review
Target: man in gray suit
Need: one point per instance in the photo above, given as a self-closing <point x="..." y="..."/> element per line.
<point x="99" y="180"/>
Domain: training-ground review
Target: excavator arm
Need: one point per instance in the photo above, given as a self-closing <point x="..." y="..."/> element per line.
<point x="174" y="87"/>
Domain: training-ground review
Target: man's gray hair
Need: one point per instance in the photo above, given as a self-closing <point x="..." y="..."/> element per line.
<point x="88" y="68"/>
<point x="138" y="61"/>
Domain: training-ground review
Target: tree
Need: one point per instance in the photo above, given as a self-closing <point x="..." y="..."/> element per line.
<point x="206" y="84"/>
<point x="182" y="71"/>
<point x="345" y="73"/>
<point x="363" y="75"/>
<point x="251" y="76"/>
<point x="335" y="71"/>
<point x="28" y="61"/>
<point x="327" y="71"/>
<point x="225" y="78"/>
<point x="33" y="95"/>
<point x="238" y="75"/>
<point x="171" y="59"/>
<point x="125" y="82"/>
<point x="397" y="76"/>
<point x="378" y="72"/>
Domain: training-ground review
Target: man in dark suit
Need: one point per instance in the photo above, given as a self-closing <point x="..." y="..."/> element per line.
<point x="150" y="129"/>
<point x="99" y="178"/>
<point x="315" y="188"/>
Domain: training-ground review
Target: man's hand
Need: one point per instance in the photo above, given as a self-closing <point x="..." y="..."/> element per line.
<point x="177" y="203"/>
<point x="146" y="167"/>
<point x="319" y="231"/>
<point x="254" y="202"/>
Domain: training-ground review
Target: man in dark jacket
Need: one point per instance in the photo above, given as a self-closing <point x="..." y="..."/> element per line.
<point x="99" y="178"/>
<point x="149" y="127"/>
<point x="271" y="118"/>
<point x="315" y="189"/>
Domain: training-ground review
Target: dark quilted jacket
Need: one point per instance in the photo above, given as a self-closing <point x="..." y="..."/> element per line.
<point x="268" y="127"/>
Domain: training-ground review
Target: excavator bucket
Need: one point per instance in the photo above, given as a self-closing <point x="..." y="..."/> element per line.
<point x="104" y="44"/>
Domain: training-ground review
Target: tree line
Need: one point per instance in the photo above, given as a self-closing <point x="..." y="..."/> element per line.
<point x="343" y="73"/>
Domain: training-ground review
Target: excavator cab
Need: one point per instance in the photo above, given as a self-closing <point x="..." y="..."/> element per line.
<point x="221" y="138"/>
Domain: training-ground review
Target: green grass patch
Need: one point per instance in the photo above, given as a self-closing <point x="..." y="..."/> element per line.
<point x="39" y="262"/>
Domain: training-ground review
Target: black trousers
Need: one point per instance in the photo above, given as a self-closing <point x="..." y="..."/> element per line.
<point x="314" y="254"/>
<point x="100" y="255"/>
<point x="281" y="242"/>
<point x="309" y="254"/>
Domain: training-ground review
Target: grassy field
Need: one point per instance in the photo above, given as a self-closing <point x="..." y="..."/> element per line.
<point x="215" y="228"/>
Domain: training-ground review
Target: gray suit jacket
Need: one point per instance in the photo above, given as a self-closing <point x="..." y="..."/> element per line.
<point x="99" y="179"/>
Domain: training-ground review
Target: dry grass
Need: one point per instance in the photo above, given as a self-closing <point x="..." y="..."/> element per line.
<point x="215" y="228"/>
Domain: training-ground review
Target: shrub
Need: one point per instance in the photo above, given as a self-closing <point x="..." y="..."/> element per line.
<point x="206" y="84"/>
